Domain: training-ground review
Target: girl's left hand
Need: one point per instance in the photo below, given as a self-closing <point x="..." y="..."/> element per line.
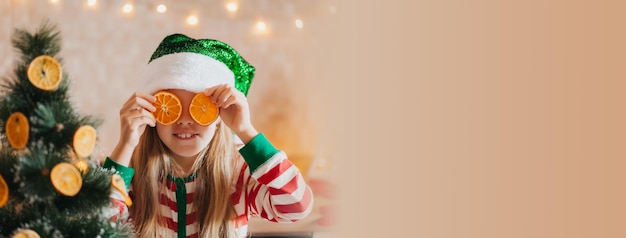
<point x="234" y="109"/>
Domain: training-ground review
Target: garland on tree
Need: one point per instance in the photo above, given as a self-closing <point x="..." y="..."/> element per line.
<point x="49" y="185"/>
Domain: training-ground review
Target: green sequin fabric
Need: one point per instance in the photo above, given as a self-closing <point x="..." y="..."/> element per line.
<point x="177" y="43"/>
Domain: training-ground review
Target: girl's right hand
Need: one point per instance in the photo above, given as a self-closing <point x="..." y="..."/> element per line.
<point x="135" y="115"/>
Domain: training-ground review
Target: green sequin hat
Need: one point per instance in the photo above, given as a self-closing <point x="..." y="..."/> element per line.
<point x="181" y="62"/>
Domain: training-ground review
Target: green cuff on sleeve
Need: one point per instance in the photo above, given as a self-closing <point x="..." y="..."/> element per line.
<point x="257" y="151"/>
<point x="126" y="172"/>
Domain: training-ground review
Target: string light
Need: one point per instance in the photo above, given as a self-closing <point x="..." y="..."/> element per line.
<point x="261" y="26"/>
<point x="127" y="8"/>
<point x="299" y="23"/>
<point x="161" y="8"/>
<point x="231" y="7"/>
<point x="192" y="20"/>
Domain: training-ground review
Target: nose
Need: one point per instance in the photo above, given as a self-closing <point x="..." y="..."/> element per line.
<point x="185" y="117"/>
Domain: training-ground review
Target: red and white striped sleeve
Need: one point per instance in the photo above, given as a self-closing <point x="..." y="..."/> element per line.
<point x="269" y="185"/>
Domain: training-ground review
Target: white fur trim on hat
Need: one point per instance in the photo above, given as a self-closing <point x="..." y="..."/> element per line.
<point x="188" y="71"/>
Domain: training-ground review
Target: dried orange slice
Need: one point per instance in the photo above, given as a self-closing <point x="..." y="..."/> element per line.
<point x="4" y="191"/>
<point x="17" y="129"/>
<point x="203" y="110"/>
<point x="66" y="179"/>
<point x="84" y="140"/>
<point x="168" y="107"/>
<point x="26" y="233"/>
<point x="45" y="73"/>
<point x="118" y="183"/>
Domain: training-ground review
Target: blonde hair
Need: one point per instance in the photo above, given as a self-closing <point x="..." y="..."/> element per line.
<point x="214" y="167"/>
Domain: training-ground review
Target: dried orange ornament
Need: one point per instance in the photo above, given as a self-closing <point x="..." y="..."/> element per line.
<point x="66" y="179"/>
<point x="4" y="191"/>
<point x="84" y="140"/>
<point x="118" y="183"/>
<point x="168" y="108"/>
<point x="45" y="73"/>
<point x="17" y="129"/>
<point x="203" y="110"/>
<point x="26" y="233"/>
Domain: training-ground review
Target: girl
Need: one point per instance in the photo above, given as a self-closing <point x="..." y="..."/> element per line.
<point x="189" y="180"/>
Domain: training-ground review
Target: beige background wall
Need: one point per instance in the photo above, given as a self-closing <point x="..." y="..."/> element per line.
<point x="484" y="119"/>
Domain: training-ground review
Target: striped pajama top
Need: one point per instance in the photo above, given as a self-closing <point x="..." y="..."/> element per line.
<point x="267" y="185"/>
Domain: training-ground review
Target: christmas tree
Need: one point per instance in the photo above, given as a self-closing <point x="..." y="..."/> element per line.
<point x="49" y="184"/>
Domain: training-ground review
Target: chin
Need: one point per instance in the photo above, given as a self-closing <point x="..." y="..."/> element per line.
<point x="187" y="152"/>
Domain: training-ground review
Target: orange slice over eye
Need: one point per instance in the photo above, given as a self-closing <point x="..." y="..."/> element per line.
<point x="84" y="140"/>
<point x="168" y="108"/>
<point x="44" y="72"/>
<point x="118" y="183"/>
<point x="4" y="191"/>
<point x="17" y="129"/>
<point x="66" y="179"/>
<point x="203" y="110"/>
<point x="26" y="233"/>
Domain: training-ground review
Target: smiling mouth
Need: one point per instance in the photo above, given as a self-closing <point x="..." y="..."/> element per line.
<point x="185" y="136"/>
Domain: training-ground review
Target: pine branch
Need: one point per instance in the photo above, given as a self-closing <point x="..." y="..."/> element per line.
<point x="33" y="173"/>
<point x="93" y="227"/>
<point x="55" y="122"/>
<point x="93" y="195"/>
<point x="14" y="214"/>
<point x="7" y="160"/>
<point x="44" y="226"/>
<point x="66" y="225"/>
<point x="45" y="41"/>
